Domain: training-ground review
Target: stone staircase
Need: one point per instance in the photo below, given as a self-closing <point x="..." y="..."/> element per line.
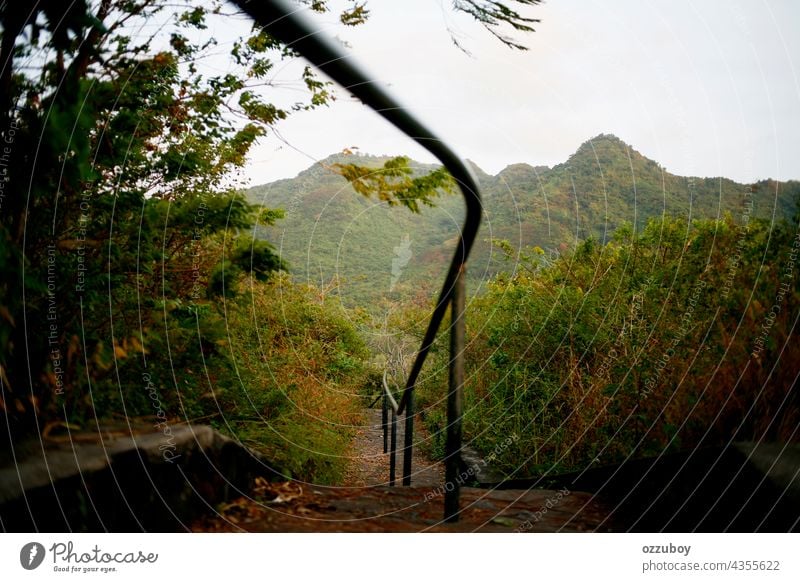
<point x="136" y="479"/>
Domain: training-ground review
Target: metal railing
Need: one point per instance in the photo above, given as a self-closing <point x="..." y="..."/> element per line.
<point x="283" y="20"/>
<point x="389" y="407"/>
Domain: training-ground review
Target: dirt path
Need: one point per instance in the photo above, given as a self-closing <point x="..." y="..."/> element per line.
<point x="370" y="465"/>
<point x="364" y="502"/>
<point x="291" y="507"/>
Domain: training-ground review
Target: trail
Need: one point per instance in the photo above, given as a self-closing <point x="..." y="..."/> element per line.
<point x="370" y="465"/>
<point x="365" y="502"/>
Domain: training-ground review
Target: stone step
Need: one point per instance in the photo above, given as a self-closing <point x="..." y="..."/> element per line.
<point x="292" y="507"/>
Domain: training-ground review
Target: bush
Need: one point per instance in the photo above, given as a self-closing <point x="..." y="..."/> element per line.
<point x="667" y="339"/>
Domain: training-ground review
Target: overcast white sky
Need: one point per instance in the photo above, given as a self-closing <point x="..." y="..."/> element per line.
<point x="707" y="88"/>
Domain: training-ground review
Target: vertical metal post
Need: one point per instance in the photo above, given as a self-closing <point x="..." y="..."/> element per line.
<point x="408" y="438"/>
<point x="393" y="451"/>
<point x="385" y="423"/>
<point x="455" y="401"/>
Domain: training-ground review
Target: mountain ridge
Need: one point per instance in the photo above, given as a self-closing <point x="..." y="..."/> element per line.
<point x="586" y="149"/>
<point x="330" y="233"/>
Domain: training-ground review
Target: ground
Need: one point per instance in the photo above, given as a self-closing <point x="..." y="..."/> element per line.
<point x="370" y="465"/>
<point x="365" y="502"/>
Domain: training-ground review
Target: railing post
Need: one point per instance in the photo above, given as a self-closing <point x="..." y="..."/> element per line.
<point x="455" y="401"/>
<point x="393" y="451"/>
<point x="408" y="437"/>
<point x="385" y="423"/>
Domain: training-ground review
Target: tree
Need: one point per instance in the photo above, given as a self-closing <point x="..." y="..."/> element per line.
<point x="120" y="215"/>
<point x="120" y="189"/>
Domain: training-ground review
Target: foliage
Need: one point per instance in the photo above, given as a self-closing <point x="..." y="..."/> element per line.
<point x="492" y="14"/>
<point x="395" y="184"/>
<point x="120" y="202"/>
<point x="666" y="339"/>
<point x="298" y="362"/>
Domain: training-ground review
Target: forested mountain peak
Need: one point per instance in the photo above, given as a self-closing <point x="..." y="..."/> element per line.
<point x="521" y="171"/>
<point x="607" y="150"/>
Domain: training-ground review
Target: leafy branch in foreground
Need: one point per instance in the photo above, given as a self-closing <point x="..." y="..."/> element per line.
<point x="395" y="183"/>
<point x="491" y="14"/>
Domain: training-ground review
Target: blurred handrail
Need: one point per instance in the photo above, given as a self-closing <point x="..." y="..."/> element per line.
<point x="285" y="22"/>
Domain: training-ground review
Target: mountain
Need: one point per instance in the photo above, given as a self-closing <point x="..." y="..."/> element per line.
<point x="379" y="252"/>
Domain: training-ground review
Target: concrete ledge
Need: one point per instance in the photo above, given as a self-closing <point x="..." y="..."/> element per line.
<point x="743" y="487"/>
<point x="140" y="481"/>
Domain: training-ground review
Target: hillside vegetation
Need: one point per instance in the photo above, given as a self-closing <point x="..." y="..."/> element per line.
<point x="370" y="252"/>
<point x="665" y="340"/>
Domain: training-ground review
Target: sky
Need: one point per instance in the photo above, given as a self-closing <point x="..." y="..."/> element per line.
<point x="706" y="88"/>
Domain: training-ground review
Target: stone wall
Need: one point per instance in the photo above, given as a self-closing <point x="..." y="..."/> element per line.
<point x="134" y="482"/>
